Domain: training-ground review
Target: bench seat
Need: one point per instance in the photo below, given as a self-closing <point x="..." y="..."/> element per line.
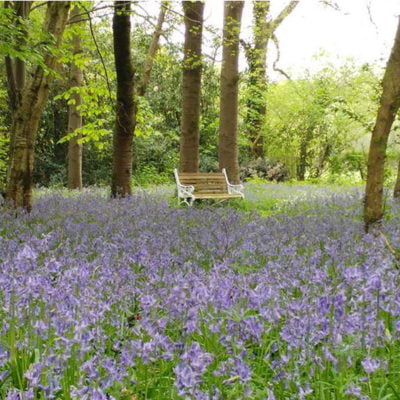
<point x="200" y="186"/>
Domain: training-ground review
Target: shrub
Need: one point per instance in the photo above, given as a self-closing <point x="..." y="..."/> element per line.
<point x="264" y="169"/>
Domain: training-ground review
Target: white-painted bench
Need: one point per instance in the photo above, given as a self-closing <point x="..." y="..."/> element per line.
<point x="199" y="186"/>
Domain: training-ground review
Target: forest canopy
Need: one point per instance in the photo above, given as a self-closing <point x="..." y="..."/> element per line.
<point x="316" y="124"/>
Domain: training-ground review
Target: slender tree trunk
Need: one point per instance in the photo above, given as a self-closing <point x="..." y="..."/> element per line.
<point x="126" y="108"/>
<point x="228" y="129"/>
<point x="257" y="61"/>
<point x="302" y="165"/>
<point x="191" y="90"/>
<point x="149" y="62"/>
<point x="74" y="116"/>
<point x="263" y="31"/>
<point x="323" y="157"/>
<point x="389" y="105"/>
<point x="27" y="115"/>
<point x="303" y="154"/>
<point x="396" y="191"/>
<point x="23" y="9"/>
<point x="148" y="65"/>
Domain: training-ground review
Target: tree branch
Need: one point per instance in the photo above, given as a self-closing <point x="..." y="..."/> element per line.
<point x="278" y="56"/>
<point x="248" y="50"/>
<point x="331" y="4"/>
<point x="38" y="5"/>
<point x="11" y="85"/>
<point x="283" y="14"/>
<point x="368" y="5"/>
<point x="98" y="50"/>
<point x="148" y="65"/>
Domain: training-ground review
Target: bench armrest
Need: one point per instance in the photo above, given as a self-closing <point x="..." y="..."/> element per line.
<point x="233" y="189"/>
<point x="185" y="191"/>
<point x="236" y="189"/>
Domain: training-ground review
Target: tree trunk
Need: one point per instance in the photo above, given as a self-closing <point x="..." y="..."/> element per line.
<point x="322" y="159"/>
<point x="302" y="165"/>
<point x="148" y="65"/>
<point x="149" y="62"/>
<point x="191" y="90"/>
<point x="263" y="31"/>
<point x="22" y="10"/>
<point x="74" y="116"/>
<point x="16" y="68"/>
<point x="126" y="108"/>
<point x="303" y="162"/>
<point x="396" y="191"/>
<point x="27" y="115"/>
<point x="389" y="105"/>
<point x="228" y="129"/>
<point x="257" y="61"/>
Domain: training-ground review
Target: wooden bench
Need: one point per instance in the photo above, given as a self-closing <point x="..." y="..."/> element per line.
<point x="199" y="186"/>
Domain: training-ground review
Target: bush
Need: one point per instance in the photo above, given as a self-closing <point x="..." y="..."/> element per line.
<point x="264" y="169"/>
<point x="149" y="175"/>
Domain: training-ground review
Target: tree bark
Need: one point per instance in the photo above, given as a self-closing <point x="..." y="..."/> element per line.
<point x="121" y="183"/>
<point x="148" y="65"/>
<point x="263" y="32"/>
<point x="26" y="120"/>
<point x="396" y="191"/>
<point x="191" y="88"/>
<point x="389" y="105"/>
<point x="324" y="154"/>
<point x="16" y="68"/>
<point x="228" y="129"/>
<point x="74" y="116"/>
<point x="257" y="62"/>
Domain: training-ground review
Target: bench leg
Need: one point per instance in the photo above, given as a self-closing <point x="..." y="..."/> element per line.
<point x="188" y="201"/>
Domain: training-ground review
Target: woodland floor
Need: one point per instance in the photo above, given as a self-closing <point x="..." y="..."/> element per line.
<point x="280" y="296"/>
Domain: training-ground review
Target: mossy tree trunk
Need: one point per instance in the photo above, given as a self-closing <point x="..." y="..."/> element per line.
<point x="256" y="54"/>
<point x="228" y="128"/>
<point x="389" y="105"/>
<point x="191" y="86"/>
<point x="29" y="110"/>
<point x="396" y="191"/>
<point x="16" y="67"/>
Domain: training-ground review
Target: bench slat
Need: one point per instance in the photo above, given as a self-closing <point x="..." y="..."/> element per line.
<point x="204" y="184"/>
<point x="202" y="178"/>
<point x="200" y="174"/>
<point x="216" y="196"/>
<point x="217" y="185"/>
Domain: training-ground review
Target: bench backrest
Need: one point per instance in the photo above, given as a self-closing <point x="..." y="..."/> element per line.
<point x="204" y="182"/>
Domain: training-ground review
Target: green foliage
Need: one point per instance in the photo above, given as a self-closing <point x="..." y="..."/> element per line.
<point x="96" y="105"/>
<point x="313" y="122"/>
<point x="25" y="39"/>
<point x="350" y="162"/>
<point x="317" y="126"/>
<point x="149" y="175"/>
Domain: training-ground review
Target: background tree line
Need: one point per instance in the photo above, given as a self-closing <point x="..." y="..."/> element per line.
<point x="118" y="73"/>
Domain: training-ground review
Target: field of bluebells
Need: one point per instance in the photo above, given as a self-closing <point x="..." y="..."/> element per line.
<point x="138" y="299"/>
